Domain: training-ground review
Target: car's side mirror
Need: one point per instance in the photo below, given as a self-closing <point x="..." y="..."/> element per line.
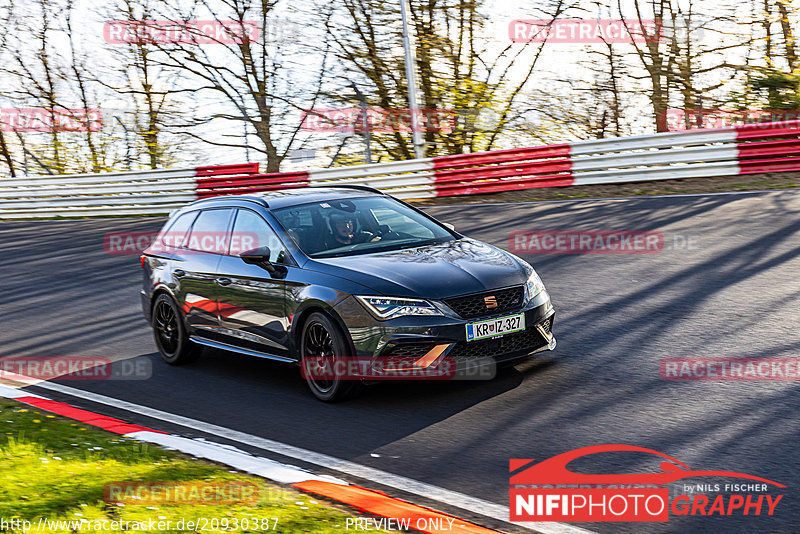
<point x="258" y="256"/>
<point x="450" y="226"/>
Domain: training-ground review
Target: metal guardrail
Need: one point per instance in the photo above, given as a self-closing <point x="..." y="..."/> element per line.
<point x="756" y="148"/>
<point x="81" y="195"/>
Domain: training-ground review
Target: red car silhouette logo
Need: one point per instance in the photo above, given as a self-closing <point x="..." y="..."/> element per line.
<point x="554" y="470"/>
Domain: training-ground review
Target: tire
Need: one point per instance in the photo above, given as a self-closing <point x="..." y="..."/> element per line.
<point x="322" y="337"/>
<point x="170" y="333"/>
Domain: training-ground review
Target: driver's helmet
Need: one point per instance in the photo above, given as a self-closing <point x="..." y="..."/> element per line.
<point x="341" y="217"/>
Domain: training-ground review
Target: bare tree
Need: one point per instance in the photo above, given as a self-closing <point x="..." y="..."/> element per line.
<point x="5" y="153"/>
<point x="686" y="54"/>
<point x="788" y="35"/>
<point x="767" y="23"/>
<point x="79" y="72"/>
<point x="40" y="78"/>
<point x="58" y="82"/>
<point x="250" y="80"/>
<point x="460" y="70"/>
<point x="5" y="150"/>
<point x="657" y="55"/>
<point x="608" y="95"/>
<point x="151" y="92"/>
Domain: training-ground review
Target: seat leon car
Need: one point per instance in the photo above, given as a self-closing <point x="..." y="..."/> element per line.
<point x="324" y="275"/>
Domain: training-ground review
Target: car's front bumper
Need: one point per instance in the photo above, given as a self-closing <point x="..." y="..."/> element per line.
<point x="441" y="340"/>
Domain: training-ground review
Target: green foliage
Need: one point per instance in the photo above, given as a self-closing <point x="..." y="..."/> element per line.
<point x="769" y="89"/>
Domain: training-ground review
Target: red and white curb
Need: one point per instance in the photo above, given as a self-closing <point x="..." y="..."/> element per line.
<point x="197" y="447"/>
<point x="369" y="501"/>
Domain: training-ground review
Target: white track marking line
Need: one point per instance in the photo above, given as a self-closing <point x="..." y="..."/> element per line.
<point x="15" y="393"/>
<point x="429" y="491"/>
<point x="231" y="456"/>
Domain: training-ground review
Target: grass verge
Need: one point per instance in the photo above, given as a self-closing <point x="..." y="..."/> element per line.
<point x="55" y="469"/>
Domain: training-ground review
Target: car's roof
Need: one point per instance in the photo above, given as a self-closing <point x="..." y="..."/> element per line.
<point x="281" y="198"/>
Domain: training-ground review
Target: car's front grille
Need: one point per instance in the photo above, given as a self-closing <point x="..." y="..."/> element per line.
<point x="480" y="304"/>
<point x="506" y="347"/>
<point x="408" y="350"/>
<point x="523" y="343"/>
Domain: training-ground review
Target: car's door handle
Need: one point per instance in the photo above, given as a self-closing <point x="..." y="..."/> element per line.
<point x="224" y="281"/>
<point x="179" y="272"/>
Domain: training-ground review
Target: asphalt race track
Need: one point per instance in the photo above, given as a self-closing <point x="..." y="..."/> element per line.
<point x="724" y="285"/>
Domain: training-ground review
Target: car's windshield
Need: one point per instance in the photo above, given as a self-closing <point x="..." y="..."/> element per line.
<point x="358" y="226"/>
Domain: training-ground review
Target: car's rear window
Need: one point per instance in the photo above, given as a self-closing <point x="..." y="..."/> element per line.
<point x="210" y="231"/>
<point x="174" y="233"/>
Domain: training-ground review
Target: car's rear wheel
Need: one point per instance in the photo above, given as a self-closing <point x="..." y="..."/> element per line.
<point x="321" y="344"/>
<point x="170" y="333"/>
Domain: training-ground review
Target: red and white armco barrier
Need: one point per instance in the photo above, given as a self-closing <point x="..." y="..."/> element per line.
<point x="118" y="193"/>
<point x="756" y="148"/>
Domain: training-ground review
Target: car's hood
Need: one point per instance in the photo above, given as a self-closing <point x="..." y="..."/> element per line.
<point x="434" y="271"/>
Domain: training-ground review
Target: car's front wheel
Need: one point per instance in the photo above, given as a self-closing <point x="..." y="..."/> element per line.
<point x="321" y="344"/>
<point x="170" y="333"/>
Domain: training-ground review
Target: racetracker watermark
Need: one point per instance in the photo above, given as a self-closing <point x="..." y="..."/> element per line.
<point x="730" y="369"/>
<point x="429" y="366"/>
<point x="186" y="493"/>
<point x="51" y="120"/>
<point x="226" y="523"/>
<point x="585" y="31"/>
<point x="378" y="120"/>
<point x="233" y="243"/>
<point x="586" y="242"/>
<point x="31" y="369"/>
<point x="690" y="119"/>
<point x="186" y="32"/>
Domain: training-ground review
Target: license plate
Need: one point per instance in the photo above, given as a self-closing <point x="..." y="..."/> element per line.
<point x="495" y="327"/>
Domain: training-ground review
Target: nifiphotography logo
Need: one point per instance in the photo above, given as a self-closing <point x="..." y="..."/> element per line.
<point x="548" y="491"/>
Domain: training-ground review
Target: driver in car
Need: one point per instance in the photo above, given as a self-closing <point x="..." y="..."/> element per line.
<point x="344" y="231"/>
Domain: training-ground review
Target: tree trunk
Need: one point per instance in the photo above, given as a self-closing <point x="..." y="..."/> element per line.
<point x="788" y="36"/>
<point x="4" y="152"/>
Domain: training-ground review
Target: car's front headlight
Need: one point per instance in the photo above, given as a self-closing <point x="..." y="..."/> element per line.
<point x="533" y="286"/>
<point x="391" y="307"/>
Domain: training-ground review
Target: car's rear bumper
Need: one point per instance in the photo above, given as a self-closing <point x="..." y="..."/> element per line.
<point x="145" y="304"/>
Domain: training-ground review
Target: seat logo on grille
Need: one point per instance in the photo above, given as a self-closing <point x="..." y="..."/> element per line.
<point x="490" y="301"/>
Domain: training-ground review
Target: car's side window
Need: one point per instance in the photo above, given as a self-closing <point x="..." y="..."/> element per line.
<point x="300" y="225"/>
<point x="174" y="235"/>
<point x="210" y="231"/>
<point x="251" y="231"/>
